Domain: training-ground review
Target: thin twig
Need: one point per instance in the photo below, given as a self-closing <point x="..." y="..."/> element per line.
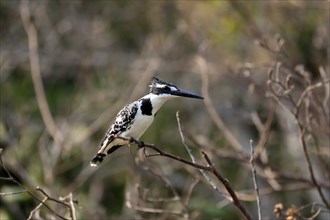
<point x="254" y="174"/>
<point x="326" y="98"/>
<point x="12" y="179"/>
<point x="234" y="199"/>
<point x="151" y="210"/>
<point x="57" y="201"/>
<point x="304" y="98"/>
<point x="225" y="182"/>
<point x="72" y="209"/>
<point x="211" y="109"/>
<point x="129" y="204"/>
<point x="36" y="208"/>
<point x="12" y="193"/>
<point x="171" y="187"/>
<point x="244" y="158"/>
<point x="188" y="149"/>
<point x="310" y="166"/>
<point x="190" y="190"/>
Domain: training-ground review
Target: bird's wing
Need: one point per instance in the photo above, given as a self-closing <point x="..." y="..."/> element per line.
<point x="124" y="120"/>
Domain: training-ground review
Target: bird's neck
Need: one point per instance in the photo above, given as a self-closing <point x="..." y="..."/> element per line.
<point x="157" y="101"/>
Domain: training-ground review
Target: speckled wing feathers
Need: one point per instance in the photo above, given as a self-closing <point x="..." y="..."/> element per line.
<point x="123" y="122"/>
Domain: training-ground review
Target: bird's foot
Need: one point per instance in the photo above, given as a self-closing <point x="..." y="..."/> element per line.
<point x="134" y="140"/>
<point x="140" y="145"/>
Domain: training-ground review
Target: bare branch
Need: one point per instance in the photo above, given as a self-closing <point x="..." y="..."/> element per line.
<point x="231" y="192"/>
<point x="58" y="201"/>
<point x="234" y="199"/>
<point x="171" y="187"/>
<point x="310" y="166"/>
<point x="254" y="174"/>
<point x="190" y="190"/>
<point x="36" y="209"/>
<point x="32" y="35"/>
<point x="162" y="153"/>
<point x="12" y="179"/>
<point x="244" y="158"/>
<point x="151" y="210"/>
<point x="207" y="177"/>
<point x="211" y="109"/>
<point x="326" y="98"/>
<point x="12" y="193"/>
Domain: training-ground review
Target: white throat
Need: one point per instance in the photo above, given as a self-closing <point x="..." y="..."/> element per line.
<point x="157" y="101"/>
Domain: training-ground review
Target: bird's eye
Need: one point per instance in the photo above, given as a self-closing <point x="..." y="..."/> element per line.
<point x="167" y="89"/>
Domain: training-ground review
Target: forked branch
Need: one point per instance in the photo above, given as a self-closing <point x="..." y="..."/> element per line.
<point x="210" y="168"/>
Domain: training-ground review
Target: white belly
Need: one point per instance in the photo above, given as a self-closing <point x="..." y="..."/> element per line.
<point x="140" y="125"/>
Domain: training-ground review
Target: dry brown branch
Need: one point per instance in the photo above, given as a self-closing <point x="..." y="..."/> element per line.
<point x="241" y="157"/>
<point x="261" y="151"/>
<point x="72" y="203"/>
<point x="11" y="193"/>
<point x="71" y="210"/>
<point x="36" y="209"/>
<point x="292" y="176"/>
<point x="254" y="175"/>
<point x="33" y="195"/>
<point x="32" y="35"/>
<point x="249" y="195"/>
<point x="190" y="190"/>
<point x="211" y="109"/>
<point x="225" y="182"/>
<point x="177" y="197"/>
<point x="206" y="176"/>
<point x="234" y="199"/>
<point x="326" y="98"/>
<point x="129" y="204"/>
<point x="300" y="108"/>
<point x="310" y="166"/>
<point x="263" y="128"/>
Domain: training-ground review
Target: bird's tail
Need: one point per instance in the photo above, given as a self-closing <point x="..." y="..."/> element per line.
<point x="97" y="159"/>
<point x="104" y="150"/>
<point x="101" y="154"/>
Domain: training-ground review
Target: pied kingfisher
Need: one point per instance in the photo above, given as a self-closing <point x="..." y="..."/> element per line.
<point x="136" y="117"/>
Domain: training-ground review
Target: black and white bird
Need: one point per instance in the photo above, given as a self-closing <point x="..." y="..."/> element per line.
<point x="136" y="117"/>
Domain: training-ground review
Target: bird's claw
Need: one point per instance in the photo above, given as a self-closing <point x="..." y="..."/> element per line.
<point x="140" y="145"/>
<point x="132" y="140"/>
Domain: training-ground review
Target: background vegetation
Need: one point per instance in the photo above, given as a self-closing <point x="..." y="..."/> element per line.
<point x="67" y="68"/>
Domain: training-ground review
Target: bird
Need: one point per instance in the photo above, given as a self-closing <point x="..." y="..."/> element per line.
<point x="135" y="118"/>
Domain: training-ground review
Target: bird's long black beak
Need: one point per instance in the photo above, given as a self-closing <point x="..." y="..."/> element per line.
<point x="185" y="93"/>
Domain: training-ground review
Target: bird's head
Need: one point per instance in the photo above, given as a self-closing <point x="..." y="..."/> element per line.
<point x="159" y="87"/>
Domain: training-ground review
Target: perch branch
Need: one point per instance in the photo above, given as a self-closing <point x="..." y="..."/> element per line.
<point x="234" y="199"/>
